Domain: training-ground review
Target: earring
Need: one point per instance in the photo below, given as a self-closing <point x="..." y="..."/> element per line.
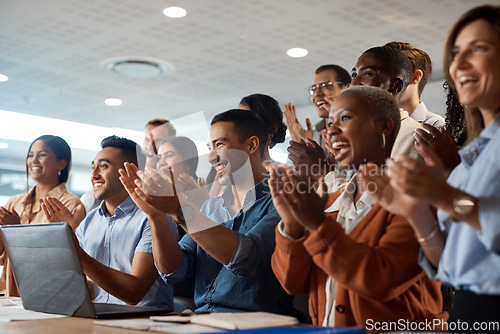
<point x="382" y="141"/>
<point x="59" y="173"/>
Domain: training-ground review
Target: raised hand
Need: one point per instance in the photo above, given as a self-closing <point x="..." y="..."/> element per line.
<point x="300" y="200"/>
<point x="308" y="158"/>
<point x="442" y="143"/>
<point x="9" y="217"/>
<point x="297" y="132"/>
<point x="196" y="191"/>
<point x="130" y="178"/>
<point x="377" y="183"/>
<point x="425" y="181"/>
<point x="277" y="182"/>
<point x="55" y="212"/>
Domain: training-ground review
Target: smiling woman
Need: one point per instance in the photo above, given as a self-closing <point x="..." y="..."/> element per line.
<point x="357" y="261"/>
<point x="461" y="247"/>
<point x="48" y="162"/>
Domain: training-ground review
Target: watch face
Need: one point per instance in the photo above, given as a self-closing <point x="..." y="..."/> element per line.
<point x="463" y="206"/>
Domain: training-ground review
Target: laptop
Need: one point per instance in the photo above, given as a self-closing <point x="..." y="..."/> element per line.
<point x="49" y="274"/>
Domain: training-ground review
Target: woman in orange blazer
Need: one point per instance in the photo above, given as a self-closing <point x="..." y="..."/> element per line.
<point x="357" y="261"/>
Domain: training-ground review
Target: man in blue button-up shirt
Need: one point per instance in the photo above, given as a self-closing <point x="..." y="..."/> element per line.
<point x="115" y="238"/>
<point x="231" y="262"/>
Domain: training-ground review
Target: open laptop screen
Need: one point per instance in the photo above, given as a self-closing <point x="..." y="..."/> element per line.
<point x="46" y="268"/>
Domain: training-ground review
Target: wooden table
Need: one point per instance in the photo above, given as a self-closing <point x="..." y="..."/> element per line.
<point x="69" y="325"/>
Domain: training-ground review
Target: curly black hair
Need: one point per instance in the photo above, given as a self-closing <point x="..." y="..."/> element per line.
<point x="455" y="116"/>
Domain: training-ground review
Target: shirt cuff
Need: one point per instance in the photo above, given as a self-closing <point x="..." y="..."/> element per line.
<point x="177" y="275"/>
<point x="241" y="254"/>
<point x="488" y="219"/>
<point x="282" y="231"/>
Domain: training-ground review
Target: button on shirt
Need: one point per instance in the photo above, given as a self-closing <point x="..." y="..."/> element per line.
<point x="114" y="240"/>
<point x="471" y="258"/>
<point x="247" y="283"/>
<point x="348" y="217"/>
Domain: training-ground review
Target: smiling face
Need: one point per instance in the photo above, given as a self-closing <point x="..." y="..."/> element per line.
<point x="330" y="91"/>
<point x="170" y="160"/>
<point x="355" y="132"/>
<point x="227" y="152"/>
<point x="370" y="70"/>
<point x="475" y="68"/>
<point x="105" y="177"/>
<point x="42" y="163"/>
<point x="153" y="136"/>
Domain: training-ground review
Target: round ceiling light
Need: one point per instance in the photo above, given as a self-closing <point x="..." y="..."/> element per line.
<point x="297" y="52"/>
<point x="112" y="102"/>
<point x="174" y="12"/>
<point x="138" y="67"/>
<point x="3" y="77"/>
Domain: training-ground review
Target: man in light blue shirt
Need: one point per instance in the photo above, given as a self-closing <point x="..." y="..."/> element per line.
<point x="231" y="262"/>
<point x="115" y="238"/>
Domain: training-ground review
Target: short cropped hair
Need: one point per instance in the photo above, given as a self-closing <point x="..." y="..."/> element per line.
<point x="342" y="75"/>
<point x="419" y="59"/>
<point x="130" y="151"/>
<point x="165" y="122"/>
<point x="383" y="104"/>
<point x="269" y="110"/>
<point x="247" y="124"/>
<point x="395" y="60"/>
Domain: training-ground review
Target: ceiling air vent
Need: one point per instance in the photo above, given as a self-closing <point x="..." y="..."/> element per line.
<point x="138" y="67"/>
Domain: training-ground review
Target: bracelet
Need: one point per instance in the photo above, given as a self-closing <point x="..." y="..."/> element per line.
<point x="430" y="236"/>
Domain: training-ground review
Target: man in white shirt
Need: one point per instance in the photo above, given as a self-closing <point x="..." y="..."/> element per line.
<point x="410" y="100"/>
<point x="387" y="68"/>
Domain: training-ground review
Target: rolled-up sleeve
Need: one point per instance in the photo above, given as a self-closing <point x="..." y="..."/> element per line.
<point x="255" y="248"/>
<point x="187" y="268"/>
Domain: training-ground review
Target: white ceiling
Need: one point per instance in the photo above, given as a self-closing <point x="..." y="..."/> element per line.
<point x="222" y="50"/>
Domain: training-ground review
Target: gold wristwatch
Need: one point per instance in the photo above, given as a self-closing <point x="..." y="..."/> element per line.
<point x="463" y="207"/>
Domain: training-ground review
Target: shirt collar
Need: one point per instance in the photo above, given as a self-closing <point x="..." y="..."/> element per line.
<point x="126" y="207"/>
<point x="346" y="199"/>
<point x="403" y="113"/>
<point x="55" y="192"/>
<point x="420" y="113"/>
<point x="470" y="152"/>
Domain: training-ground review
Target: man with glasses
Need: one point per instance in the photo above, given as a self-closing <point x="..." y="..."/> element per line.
<point x="328" y="82"/>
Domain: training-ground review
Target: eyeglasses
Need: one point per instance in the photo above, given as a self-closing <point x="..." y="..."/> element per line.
<point x="321" y="85"/>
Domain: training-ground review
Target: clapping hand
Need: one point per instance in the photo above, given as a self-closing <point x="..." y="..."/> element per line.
<point x="9" y="217"/>
<point x="442" y="143"/>
<point x="149" y="187"/>
<point x="296" y="201"/>
<point x="297" y="132"/>
<point x="55" y="212"/>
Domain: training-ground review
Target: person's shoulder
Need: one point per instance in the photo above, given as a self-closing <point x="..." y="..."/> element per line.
<point x="435" y="120"/>
<point x="409" y="124"/>
<point x="16" y="201"/>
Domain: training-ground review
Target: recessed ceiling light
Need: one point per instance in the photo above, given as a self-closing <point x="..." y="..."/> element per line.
<point x="297" y="52"/>
<point x="4" y="145"/>
<point x="113" y="102"/>
<point x="3" y="77"/>
<point x="174" y="12"/>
